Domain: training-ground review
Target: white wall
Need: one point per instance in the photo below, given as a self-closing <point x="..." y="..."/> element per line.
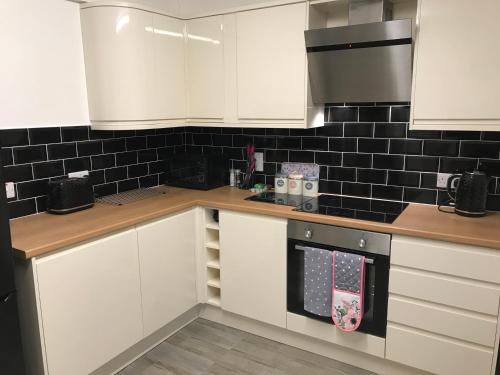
<point x="42" y="75"/>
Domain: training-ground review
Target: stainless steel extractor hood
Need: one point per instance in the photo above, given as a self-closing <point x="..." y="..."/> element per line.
<point x="362" y="62"/>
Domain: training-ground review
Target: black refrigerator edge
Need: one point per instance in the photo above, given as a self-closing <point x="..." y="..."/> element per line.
<point x="11" y="354"/>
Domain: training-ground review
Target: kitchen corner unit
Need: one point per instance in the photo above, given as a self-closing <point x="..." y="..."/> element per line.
<point x="149" y="70"/>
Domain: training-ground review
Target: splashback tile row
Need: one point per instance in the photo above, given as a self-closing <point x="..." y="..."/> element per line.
<point x="117" y="161"/>
<point x="364" y="149"/>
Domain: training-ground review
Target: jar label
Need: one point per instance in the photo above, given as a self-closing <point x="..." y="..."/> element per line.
<point x="309" y="185"/>
<point x="293" y="184"/>
<point x="280" y="183"/>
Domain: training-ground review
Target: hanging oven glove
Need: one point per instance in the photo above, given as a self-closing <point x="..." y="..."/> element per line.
<point x="347" y="290"/>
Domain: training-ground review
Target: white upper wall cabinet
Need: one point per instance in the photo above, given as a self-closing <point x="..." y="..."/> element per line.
<point x="271" y="63"/>
<point x="169" y="92"/>
<point x="135" y="67"/>
<point x="244" y="68"/>
<point x="456" y="80"/>
<point x="42" y="70"/>
<point x="205" y="68"/>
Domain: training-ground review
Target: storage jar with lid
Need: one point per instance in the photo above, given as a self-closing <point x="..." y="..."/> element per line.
<point x="295" y="184"/>
<point x="281" y="183"/>
<point x="310" y="186"/>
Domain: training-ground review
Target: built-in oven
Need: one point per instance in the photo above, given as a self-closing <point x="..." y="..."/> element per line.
<point x="374" y="246"/>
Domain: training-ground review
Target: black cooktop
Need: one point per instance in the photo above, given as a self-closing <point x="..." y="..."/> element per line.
<point x="356" y="208"/>
<point x="281" y="199"/>
<point x="335" y="205"/>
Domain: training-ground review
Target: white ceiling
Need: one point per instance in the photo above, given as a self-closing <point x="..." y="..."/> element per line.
<point x="190" y="8"/>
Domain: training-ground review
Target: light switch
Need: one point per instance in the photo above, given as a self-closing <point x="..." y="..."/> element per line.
<point x="10" y="190"/>
<point x="259" y="161"/>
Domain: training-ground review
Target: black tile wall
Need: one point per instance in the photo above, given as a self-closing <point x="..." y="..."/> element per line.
<point x="364" y="150"/>
<point x="117" y="160"/>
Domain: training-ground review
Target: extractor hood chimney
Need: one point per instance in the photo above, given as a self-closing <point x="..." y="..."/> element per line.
<point x="370" y="60"/>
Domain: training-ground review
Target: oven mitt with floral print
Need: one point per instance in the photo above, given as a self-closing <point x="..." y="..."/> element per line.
<point x="348" y="279"/>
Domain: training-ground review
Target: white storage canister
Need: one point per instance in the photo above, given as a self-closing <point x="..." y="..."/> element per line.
<point x="281" y="183"/>
<point x="295" y="184"/>
<point x="310" y="186"/>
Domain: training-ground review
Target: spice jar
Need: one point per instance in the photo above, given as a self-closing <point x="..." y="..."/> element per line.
<point x="295" y="184"/>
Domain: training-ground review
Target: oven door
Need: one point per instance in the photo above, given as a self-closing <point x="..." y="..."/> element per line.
<point x="376" y="287"/>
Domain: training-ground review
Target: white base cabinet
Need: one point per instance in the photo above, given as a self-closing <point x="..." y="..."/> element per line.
<point x="90" y="303"/>
<point x="168" y="269"/>
<point x="443" y="307"/>
<point x="253" y="266"/>
<point x="83" y="306"/>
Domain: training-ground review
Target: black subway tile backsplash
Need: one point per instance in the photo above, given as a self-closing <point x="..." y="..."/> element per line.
<point x="62" y="151"/>
<point x="369" y="145"/>
<point x="478" y="149"/>
<point x="364" y="149"/>
<point x="400" y="114"/>
<point x="422" y="163"/>
<point x="440" y="148"/>
<point x="373" y="114"/>
<point x="354" y="129"/>
<point x="18" y="173"/>
<point x="89" y="148"/>
<point x="103" y="161"/>
<point x="343" y="114"/>
<point x="328" y="158"/>
<point x="14" y="137"/>
<point x="74" y="133"/>
<point x="41" y="136"/>
<point x="30" y="154"/>
<point x="406" y="146"/>
<point x="48" y="169"/>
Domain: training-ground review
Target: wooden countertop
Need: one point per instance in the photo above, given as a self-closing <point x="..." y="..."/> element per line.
<point x="44" y="233"/>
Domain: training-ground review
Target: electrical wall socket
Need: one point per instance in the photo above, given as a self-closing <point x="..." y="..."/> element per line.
<point x="442" y="180"/>
<point x="259" y="161"/>
<point x="78" y="174"/>
<point x="10" y="190"/>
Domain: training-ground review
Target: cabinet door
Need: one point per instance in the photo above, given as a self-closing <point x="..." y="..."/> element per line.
<point x="456" y="76"/>
<point x="271" y="59"/>
<point x="253" y="266"/>
<point x="169" y="91"/>
<point x="119" y="56"/>
<point x="205" y="66"/>
<point x="90" y="303"/>
<point x="168" y="269"/>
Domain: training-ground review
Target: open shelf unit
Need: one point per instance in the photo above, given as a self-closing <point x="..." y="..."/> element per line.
<point x="212" y="257"/>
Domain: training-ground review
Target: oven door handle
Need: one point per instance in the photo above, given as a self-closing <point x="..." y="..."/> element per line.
<point x="302" y="248"/>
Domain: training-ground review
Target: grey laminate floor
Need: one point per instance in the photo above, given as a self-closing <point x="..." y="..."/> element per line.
<point x="205" y="347"/>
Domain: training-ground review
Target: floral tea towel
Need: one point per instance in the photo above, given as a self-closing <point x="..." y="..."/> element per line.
<point x="348" y="278"/>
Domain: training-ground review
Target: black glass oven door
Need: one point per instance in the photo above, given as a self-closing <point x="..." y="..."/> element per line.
<point x="376" y="288"/>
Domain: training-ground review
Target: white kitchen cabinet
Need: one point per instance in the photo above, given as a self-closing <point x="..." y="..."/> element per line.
<point x="90" y="303"/>
<point x="456" y="80"/>
<point x="169" y="91"/>
<point x="167" y="268"/>
<point x="443" y="306"/>
<point x="253" y="266"/>
<point x="205" y="68"/>
<point x="271" y="63"/>
<point x="134" y="63"/>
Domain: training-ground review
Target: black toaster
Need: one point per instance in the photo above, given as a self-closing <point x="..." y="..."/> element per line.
<point x="67" y="195"/>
